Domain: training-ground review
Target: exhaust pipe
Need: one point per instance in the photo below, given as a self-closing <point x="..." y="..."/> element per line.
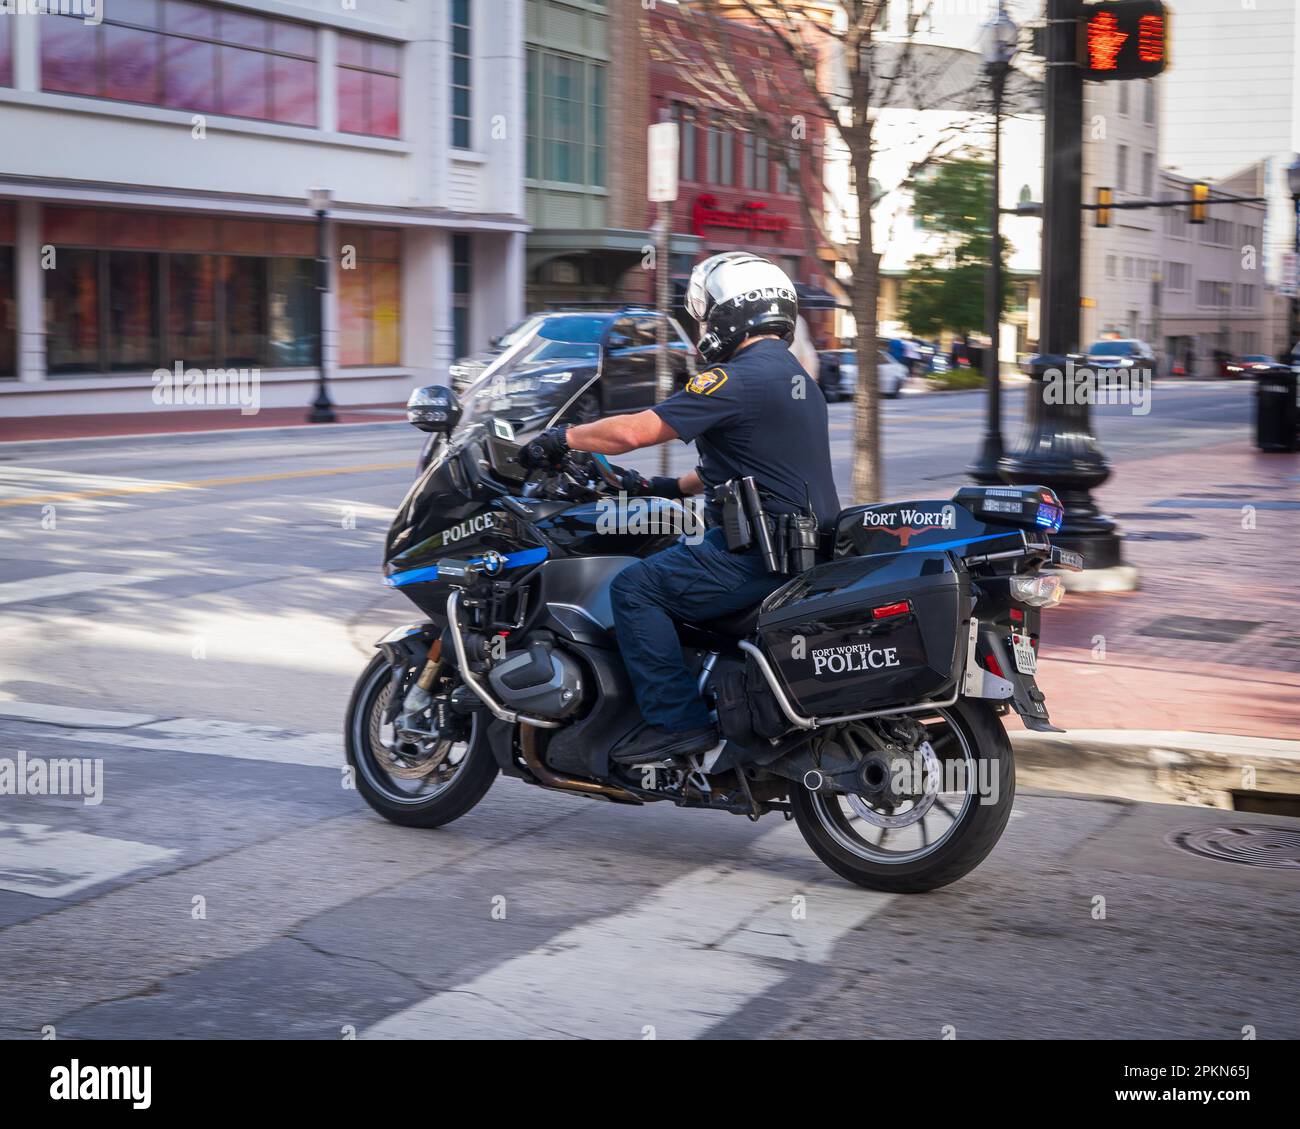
<point x="528" y="745"/>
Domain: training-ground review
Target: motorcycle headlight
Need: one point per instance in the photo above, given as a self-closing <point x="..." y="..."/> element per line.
<point x="1042" y="590"/>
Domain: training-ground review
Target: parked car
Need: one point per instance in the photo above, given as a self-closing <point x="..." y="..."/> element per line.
<point x="1246" y="367"/>
<point x="840" y="374"/>
<point x="556" y="352"/>
<point x="1121" y="352"/>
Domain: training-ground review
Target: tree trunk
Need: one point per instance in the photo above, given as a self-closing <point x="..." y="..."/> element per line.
<point x="868" y="482"/>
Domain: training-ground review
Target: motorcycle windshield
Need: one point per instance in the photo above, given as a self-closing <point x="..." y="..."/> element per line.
<point x="546" y="366"/>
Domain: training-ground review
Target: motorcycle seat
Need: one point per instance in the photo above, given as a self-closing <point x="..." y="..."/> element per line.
<point x="735" y="625"/>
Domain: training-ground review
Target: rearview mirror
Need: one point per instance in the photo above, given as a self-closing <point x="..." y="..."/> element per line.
<point x="434" y="408"/>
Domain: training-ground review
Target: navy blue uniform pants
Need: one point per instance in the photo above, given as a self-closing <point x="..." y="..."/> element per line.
<point x="685" y="583"/>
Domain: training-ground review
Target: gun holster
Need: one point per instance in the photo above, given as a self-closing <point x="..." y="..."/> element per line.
<point x="786" y="542"/>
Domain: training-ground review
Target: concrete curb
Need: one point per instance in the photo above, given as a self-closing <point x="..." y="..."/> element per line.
<point x="1160" y="766"/>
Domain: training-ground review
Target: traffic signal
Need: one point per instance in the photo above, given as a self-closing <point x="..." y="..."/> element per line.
<point x="1105" y="198"/>
<point x="1200" y="196"/>
<point x="1123" y="39"/>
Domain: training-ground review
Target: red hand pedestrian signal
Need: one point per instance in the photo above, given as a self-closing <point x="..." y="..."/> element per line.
<point x="1123" y="39"/>
<point x="1104" y="42"/>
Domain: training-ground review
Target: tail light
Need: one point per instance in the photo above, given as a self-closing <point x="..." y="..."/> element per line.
<point x="1040" y="590"/>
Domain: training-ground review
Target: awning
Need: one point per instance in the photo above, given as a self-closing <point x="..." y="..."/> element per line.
<point x="815" y="298"/>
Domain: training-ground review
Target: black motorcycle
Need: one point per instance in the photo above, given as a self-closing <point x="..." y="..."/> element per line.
<point x="861" y="699"/>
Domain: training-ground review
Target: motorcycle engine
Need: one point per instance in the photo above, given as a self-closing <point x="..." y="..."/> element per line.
<point x="540" y="680"/>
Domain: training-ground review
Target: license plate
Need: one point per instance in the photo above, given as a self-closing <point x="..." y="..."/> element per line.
<point x="1026" y="656"/>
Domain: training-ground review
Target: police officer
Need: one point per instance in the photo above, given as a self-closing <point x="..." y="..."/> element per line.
<point x="755" y="412"/>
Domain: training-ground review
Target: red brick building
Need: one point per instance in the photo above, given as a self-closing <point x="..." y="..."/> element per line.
<point x="751" y="147"/>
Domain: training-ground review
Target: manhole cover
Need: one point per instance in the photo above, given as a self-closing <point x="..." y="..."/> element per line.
<point x="1197" y="627"/>
<point x="1162" y="535"/>
<point x="1275" y="847"/>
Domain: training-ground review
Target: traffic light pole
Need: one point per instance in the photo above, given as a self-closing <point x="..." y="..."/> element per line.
<point x="1057" y="447"/>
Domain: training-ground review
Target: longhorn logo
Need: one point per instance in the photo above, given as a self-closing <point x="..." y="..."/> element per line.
<point x="906" y="532"/>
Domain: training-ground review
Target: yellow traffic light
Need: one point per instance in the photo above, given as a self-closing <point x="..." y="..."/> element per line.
<point x="1105" y="198"/>
<point x="1200" y="197"/>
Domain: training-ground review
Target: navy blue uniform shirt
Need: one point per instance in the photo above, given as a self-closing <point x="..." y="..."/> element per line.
<point x="760" y="414"/>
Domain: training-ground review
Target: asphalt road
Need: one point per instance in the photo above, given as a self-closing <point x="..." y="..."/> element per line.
<point x="188" y="615"/>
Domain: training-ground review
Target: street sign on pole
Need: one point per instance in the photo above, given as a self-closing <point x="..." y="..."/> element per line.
<point x="663" y="163"/>
<point x="1287" y="285"/>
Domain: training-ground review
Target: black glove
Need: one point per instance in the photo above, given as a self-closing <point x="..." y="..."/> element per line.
<point x="638" y="486"/>
<point x="547" y="451"/>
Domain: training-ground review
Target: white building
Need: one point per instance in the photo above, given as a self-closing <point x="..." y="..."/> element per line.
<point x="1189" y="290"/>
<point x="1231" y="99"/>
<point x="153" y="195"/>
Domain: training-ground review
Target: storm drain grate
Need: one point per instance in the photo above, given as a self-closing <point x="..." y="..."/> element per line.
<point x="1198" y="627"/>
<point x="1277" y="848"/>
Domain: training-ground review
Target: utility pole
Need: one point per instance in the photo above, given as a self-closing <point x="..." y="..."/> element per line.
<point x="663" y="139"/>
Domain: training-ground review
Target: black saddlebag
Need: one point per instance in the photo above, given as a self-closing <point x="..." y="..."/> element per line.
<point x="867" y="633"/>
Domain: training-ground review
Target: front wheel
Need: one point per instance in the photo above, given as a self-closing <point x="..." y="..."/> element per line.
<point x="929" y="812"/>
<point x="423" y="782"/>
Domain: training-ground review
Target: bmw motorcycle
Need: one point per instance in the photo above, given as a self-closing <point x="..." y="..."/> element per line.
<point x="862" y="699"/>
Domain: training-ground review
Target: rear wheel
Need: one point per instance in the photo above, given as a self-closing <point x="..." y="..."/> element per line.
<point x="928" y="814"/>
<point x="418" y="782"/>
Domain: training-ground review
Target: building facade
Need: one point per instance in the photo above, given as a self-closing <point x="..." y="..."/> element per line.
<point x="1191" y="291"/>
<point x="750" y="152"/>
<point x="154" y="206"/>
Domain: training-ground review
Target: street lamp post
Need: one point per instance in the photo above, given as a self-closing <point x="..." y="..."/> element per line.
<point x="1293" y="329"/>
<point x="322" y="409"/>
<point x="1000" y="38"/>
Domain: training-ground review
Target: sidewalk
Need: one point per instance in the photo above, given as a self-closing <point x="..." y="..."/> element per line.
<point x="1209" y="644"/>
<point x="25" y="429"/>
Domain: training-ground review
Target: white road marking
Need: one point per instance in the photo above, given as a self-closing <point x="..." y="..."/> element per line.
<point x="37" y="860"/>
<point x="150" y="733"/>
<point x="680" y="961"/>
<point x="62" y="584"/>
<point x="72" y="717"/>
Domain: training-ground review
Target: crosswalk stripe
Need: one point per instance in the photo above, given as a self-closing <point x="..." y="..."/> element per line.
<point x="38" y="860"/>
<point x="205" y="736"/>
<point x="672" y="966"/>
<point x="63" y="584"/>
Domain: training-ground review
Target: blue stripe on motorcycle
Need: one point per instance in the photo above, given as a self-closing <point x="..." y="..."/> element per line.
<point x="951" y="544"/>
<point x="430" y="572"/>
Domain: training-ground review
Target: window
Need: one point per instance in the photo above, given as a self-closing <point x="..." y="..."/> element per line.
<point x="566" y="119"/>
<point x="1177" y="276"/>
<point x="186" y="56"/>
<point x="747" y="160"/>
<point x="720" y="155"/>
<point x="686" y="127"/>
<point x="460" y="292"/>
<point x="1218" y="232"/>
<point x="8" y="307"/>
<point x="1123" y="98"/>
<point x="1121" y="167"/>
<point x="6" y="54"/>
<point x="1110" y="266"/>
<point x="1175" y="219"/>
<point x="460" y="76"/>
<point x="369" y="89"/>
<point x="1212" y="294"/>
<point x="134" y="291"/>
<point x="1247" y="295"/>
<point x="1148" y="174"/>
<point x="1149" y="102"/>
<point x="369" y="297"/>
<point x="761" y="179"/>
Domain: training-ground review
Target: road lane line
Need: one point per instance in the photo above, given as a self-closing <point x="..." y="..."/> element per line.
<point x="201" y="484"/>
<point x="680" y="961"/>
<point x="236" y="740"/>
<point x="36" y="859"/>
<point x="63" y="584"/>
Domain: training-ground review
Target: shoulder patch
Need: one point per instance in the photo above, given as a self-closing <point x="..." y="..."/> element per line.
<point x="706" y="383"/>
